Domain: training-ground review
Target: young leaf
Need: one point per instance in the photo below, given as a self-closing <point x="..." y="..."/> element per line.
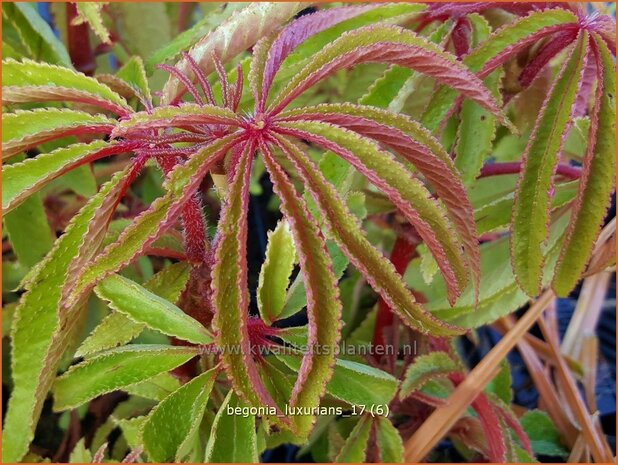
<point x="20" y="180"/>
<point x="29" y="81"/>
<point x="355" y="447"/>
<point x="275" y="273"/>
<point x="23" y="130"/>
<point x="406" y="192"/>
<point x="90" y="12"/>
<point x="142" y="306"/>
<point x="323" y="304"/>
<point x="597" y="180"/>
<point x="34" y="362"/>
<point x="232" y="436"/>
<point x="241" y="31"/>
<point x="425" y="368"/>
<point x="114" y="370"/>
<point x="184" y="409"/>
<point x="532" y="201"/>
<point x="379" y="272"/>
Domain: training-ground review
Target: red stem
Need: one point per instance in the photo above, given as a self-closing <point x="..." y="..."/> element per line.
<point x="82" y="55"/>
<point x="402" y="253"/>
<point x="496" y="169"/>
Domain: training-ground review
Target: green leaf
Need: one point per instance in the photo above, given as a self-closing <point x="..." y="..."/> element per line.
<point x="232" y="437"/>
<point x="38" y="333"/>
<point x="34" y="34"/>
<point x="532" y="200"/>
<point x="424" y="368"/>
<point x="90" y="12"/>
<point x="142" y="306"/>
<point x="354" y="383"/>
<point x="187" y="38"/>
<point x="477" y="126"/>
<point x="275" y="273"/>
<point x="29" y="232"/>
<point x="390" y="444"/>
<point x="355" y="447"/>
<point x="500" y="385"/>
<point x="80" y="454"/>
<point x="544" y="436"/>
<point x="22" y="130"/>
<point x="156" y="388"/>
<point x="175" y="420"/>
<point x="29" y="81"/>
<point x="134" y="74"/>
<point x="23" y="179"/>
<point x="596" y="184"/>
<point x="114" y="370"/>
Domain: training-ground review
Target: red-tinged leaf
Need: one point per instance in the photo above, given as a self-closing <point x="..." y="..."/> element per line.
<point x="501" y="46"/>
<point x="587" y="87"/>
<point x="597" y="180"/>
<point x="297" y="32"/>
<point x="230" y="292"/>
<point x="557" y="43"/>
<point x="235" y="35"/>
<point x="186" y="114"/>
<point x="396" y="182"/>
<point x="393" y="45"/>
<point x="323" y="304"/>
<point x="415" y="144"/>
<point x="437" y="11"/>
<point x="39" y="336"/>
<point x="533" y="198"/>
<point x="97" y="227"/>
<point x="505" y="413"/>
<point x="494" y="433"/>
<point x="23" y="130"/>
<point x="23" y="179"/>
<point x="29" y="81"/>
<point x="425" y="368"/>
<point x="180" y="185"/>
<point x="378" y="270"/>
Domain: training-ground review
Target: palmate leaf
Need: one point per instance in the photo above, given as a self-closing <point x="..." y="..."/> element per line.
<point x="184" y="409"/>
<point x="22" y="130"/>
<point x="500" y="46"/>
<point x="346" y="230"/>
<point x="236" y="34"/>
<point x="180" y="185"/>
<point x="23" y="179"/>
<point x="229" y="285"/>
<point x="39" y="336"/>
<point x="275" y="273"/>
<point x="414" y="144"/>
<point x="323" y="304"/>
<point x="114" y="370"/>
<point x="532" y="200"/>
<point x="394" y="45"/>
<point x="597" y="180"/>
<point x="28" y="81"/>
<point x="407" y="193"/>
<point x="142" y="306"/>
